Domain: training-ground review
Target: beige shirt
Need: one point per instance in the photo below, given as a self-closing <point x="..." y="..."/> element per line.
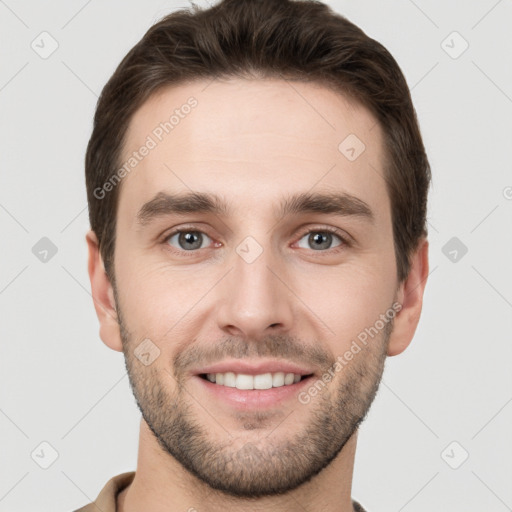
<point x="106" y="500"/>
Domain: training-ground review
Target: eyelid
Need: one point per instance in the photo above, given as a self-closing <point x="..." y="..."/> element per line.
<point x="183" y="227"/>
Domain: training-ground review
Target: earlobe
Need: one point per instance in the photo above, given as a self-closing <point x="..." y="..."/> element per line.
<point x="410" y="296"/>
<point x="103" y="295"/>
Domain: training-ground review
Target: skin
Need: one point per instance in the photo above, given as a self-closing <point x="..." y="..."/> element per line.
<point x="294" y="302"/>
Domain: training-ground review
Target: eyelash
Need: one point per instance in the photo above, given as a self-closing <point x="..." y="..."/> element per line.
<point x="325" y="229"/>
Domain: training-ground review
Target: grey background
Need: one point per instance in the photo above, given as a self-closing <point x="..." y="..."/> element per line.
<point x="61" y="385"/>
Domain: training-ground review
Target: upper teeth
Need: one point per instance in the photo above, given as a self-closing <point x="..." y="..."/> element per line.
<point x="261" y="381"/>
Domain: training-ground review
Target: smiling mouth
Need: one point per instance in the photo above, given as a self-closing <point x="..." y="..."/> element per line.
<point x="254" y="382"/>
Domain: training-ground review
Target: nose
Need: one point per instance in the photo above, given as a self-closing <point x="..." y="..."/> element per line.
<point x="255" y="298"/>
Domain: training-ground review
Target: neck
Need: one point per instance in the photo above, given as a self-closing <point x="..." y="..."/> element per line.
<point x="161" y="484"/>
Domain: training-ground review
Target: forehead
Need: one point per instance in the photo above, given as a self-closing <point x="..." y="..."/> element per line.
<point x="252" y="140"/>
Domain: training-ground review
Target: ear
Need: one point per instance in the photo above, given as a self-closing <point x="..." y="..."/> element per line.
<point x="103" y="296"/>
<point x="410" y="296"/>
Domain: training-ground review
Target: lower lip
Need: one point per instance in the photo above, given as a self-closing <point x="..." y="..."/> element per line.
<point x="254" y="398"/>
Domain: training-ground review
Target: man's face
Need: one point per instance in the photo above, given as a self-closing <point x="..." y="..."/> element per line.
<point x="250" y="285"/>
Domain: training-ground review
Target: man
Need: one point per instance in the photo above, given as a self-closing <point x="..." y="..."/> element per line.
<point x="257" y="189"/>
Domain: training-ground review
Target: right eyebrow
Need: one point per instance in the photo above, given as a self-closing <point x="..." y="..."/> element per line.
<point x="164" y="204"/>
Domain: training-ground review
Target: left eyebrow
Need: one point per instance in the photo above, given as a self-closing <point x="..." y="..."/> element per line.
<point x="337" y="203"/>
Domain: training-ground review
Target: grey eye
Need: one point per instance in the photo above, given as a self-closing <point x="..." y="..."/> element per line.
<point x="189" y="240"/>
<point x="319" y="240"/>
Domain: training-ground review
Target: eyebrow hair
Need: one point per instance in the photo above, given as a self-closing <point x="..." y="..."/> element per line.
<point x="338" y="203"/>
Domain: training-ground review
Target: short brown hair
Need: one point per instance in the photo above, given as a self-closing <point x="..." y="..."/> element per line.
<point x="298" y="40"/>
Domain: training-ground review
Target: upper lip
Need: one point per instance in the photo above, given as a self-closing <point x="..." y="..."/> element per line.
<point x="253" y="367"/>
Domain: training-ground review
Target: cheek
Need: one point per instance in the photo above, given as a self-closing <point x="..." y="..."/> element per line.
<point x="349" y="299"/>
<point x="155" y="297"/>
